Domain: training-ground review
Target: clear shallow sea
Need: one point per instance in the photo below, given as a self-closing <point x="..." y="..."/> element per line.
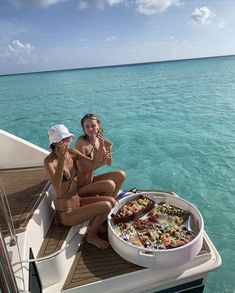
<point x="172" y="125"/>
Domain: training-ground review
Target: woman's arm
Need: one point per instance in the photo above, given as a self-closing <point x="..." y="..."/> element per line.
<point x="81" y="146"/>
<point x="56" y="173"/>
<point x="87" y="164"/>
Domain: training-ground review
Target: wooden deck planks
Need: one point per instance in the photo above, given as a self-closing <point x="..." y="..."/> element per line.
<point x="24" y="189"/>
<point x="92" y="264"/>
<point x="54" y="239"/>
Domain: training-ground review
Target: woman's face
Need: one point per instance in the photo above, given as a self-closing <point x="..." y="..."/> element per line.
<point x="91" y="127"/>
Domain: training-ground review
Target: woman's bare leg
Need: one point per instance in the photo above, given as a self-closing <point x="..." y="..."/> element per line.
<point x="116" y="176"/>
<point x="91" y="199"/>
<point x="98" y="212"/>
<point x="92" y="236"/>
<point x="88" y="200"/>
<point x="102" y="187"/>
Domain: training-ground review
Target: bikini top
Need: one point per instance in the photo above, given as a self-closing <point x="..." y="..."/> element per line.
<point x="70" y="177"/>
<point x="90" y="154"/>
<point x="93" y="147"/>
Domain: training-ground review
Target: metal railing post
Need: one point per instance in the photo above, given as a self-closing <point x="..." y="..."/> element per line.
<point x="7" y="214"/>
<point x="7" y="278"/>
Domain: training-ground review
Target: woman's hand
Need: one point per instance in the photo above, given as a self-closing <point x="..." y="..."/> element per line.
<point x="62" y="149"/>
<point x="108" y="145"/>
<point x="100" y="135"/>
<point x="100" y="138"/>
<point x="107" y="155"/>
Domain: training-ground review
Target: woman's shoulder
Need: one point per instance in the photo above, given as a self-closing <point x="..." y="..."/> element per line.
<point x="49" y="158"/>
<point x="72" y="152"/>
<point x="83" y="139"/>
<point x="82" y="142"/>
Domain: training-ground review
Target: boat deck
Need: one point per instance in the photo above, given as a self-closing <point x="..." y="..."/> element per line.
<point x="92" y="264"/>
<point x="54" y="239"/>
<point x="25" y="188"/>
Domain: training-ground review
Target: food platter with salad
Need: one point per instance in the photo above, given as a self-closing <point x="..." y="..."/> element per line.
<point x="155" y="224"/>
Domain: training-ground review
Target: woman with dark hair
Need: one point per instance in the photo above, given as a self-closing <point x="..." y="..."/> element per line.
<point x="64" y="166"/>
<point x="88" y="144"/>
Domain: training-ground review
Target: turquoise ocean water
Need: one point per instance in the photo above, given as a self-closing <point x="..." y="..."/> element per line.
<point x="172" y="125"/>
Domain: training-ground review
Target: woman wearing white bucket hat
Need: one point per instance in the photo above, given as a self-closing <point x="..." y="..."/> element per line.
<point x="64" y="165"/>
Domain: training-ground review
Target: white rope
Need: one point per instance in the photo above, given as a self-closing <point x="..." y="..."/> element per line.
<point x="22" y="269"/>
<point x="48" y="256"/>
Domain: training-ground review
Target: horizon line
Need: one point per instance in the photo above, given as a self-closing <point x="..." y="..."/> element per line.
<point x="117" y="65"/>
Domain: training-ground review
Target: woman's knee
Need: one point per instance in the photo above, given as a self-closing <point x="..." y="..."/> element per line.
<point x="121" y="176"/>
<point x="113" y="201"/>
<point x="107" y="206"/>
<point x="110" y="186"/>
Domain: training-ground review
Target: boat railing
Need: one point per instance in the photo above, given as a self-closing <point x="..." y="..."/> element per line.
<point x="7" y="214"/>
<point x="7" y="279"/>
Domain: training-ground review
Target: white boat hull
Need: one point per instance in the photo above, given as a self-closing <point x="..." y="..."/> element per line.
<point x="50" y="274"/>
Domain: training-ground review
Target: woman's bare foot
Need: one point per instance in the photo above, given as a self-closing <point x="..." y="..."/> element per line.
<point x="102" y="228"/>
<point x="98" y="242"/>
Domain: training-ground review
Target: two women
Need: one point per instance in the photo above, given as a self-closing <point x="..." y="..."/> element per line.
<point x="67" y="169"/>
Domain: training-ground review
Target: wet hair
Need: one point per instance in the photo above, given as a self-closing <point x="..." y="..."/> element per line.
<point x="93" y="117"/>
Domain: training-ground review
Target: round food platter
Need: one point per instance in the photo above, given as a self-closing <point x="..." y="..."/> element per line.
<point x="155" y="229"/>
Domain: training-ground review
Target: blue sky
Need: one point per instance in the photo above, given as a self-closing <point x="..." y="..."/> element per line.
<point x="38" y="35"/>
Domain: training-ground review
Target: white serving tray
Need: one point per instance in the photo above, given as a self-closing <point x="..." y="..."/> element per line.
<point x="156" y="258"/>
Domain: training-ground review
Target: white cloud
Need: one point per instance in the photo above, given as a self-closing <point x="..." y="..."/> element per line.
<point x="202" y="15"/>
<point x="18" y="53"/>
<point x="171" y="38"/>
<point x="221" y="24"/>
<point x="110" y="39"/>
<point x="114" y="2"/>
<point x="82" y="5"/>
<point x="146" y="7"/>
<point x="19" y="3"/>
<point x="17" y="47"/>
<point x="100" y="4"/>
<point x="149" y="7"/>
<point x="82" y="40"/>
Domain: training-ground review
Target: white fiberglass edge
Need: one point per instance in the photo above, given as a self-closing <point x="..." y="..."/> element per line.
<point x="32" y="239"/>
<point x="60" y="266"/>
<point x="17" y="152"/>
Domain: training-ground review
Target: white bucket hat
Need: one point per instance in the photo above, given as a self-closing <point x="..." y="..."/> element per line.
<point x="58" y="132"/>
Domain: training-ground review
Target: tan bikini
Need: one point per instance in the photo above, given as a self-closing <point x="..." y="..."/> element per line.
<point x="68" y="178"/>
